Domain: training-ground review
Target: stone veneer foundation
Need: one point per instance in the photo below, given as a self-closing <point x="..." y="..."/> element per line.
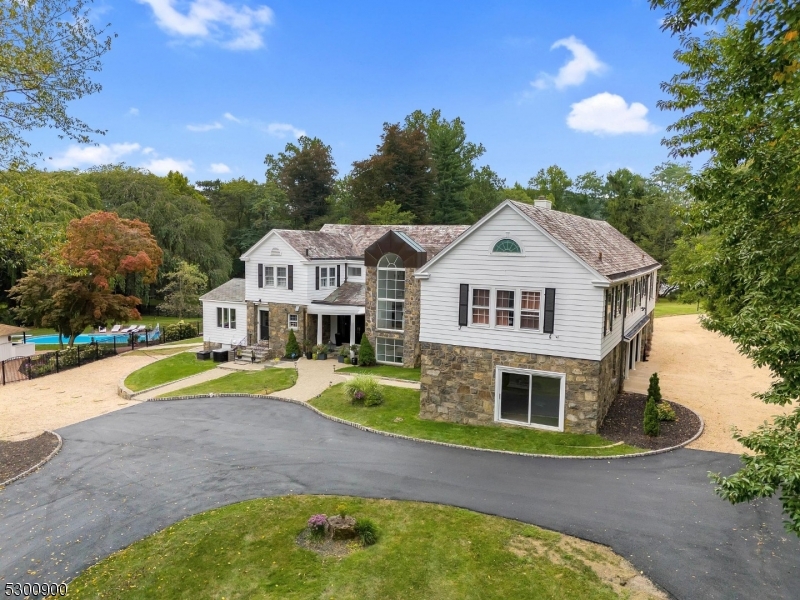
<point x="410" y="333"/>
<point x="458" y="384"/>
<point x="278" y="325"/>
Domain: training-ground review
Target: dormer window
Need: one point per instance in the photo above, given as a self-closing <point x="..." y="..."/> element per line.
<point x="507" y="245"/>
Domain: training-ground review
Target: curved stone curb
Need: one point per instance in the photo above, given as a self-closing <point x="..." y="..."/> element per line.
<point x="437" y="443"/>
<point x="38" y="465"/>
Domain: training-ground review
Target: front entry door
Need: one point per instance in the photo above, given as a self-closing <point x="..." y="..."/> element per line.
<point x="263" y="325"/>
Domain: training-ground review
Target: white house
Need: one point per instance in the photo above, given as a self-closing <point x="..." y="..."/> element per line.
<point x="529" y="317"/>
<point x="11" y="349"/>
<point x="533" y="317"/>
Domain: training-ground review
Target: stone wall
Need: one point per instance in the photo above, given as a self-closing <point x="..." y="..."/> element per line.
<point x="458" y="385"/>
<point x="411" y="320"/>
<point x="278" y="325"/>
<point x="610" y="380"/>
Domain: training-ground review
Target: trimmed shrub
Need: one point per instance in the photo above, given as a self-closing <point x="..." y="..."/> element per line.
<point x="665" y="411"/>
<point x="292" y="347"/>
<point x="347" y="360"/>
<point x="181" y="330"/>
<point x="367" y="531"/>
<point x="364" y="389"/>
<point x="366" y="355"/>
<point x="654" y="389"/>
<point x="651" y="424"/>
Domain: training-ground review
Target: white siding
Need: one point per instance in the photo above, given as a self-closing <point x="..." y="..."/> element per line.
<point x="263" y="255"/>
<point x="614" y="336"/>
<point x="311" y="275"/>
<point x="578" y="324"/>
<point x="221" y="335"/>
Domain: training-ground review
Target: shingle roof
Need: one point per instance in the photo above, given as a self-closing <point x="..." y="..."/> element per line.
<point x="230" y="291"/>
<point x="350" y="293"/>
<point x="599" y="244"/>
<point x="6" y="330"/>
<point x="350" y="241"/>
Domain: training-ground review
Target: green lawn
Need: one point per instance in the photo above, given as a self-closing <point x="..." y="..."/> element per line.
<point x="404" y="403"/>
<point x="243" y="382"/>
<point x="169" y="369"/>
<point x="384" y="371"/>
<point x="425" y="551"/>
<point x="671" y="308"/>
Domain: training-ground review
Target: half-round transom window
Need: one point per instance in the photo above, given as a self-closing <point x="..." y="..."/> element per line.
<point x="390" y="261"/>
<point x="507" y="245"/>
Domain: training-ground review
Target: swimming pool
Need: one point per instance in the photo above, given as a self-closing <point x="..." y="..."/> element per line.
<point x="84" y="338"/>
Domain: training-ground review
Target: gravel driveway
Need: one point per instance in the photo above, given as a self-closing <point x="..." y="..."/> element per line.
<point x="130" y="473"/>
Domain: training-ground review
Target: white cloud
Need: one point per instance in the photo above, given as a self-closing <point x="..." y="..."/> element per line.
<point x="609" y="114"/>
<point x="205" y="127"/>
<point x="230" y="117"/>
<point x="575" y="71"/>
<point x="231" y="27"/>
<point x="220" y="168"/>
<point x="162" y="166"/>
<point x="281" y="130"/>
<point x="102" y="154"/>
<point x="133" y="112"/>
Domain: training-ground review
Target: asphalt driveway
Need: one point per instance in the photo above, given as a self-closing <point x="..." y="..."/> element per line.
<point x="130" y="473"/>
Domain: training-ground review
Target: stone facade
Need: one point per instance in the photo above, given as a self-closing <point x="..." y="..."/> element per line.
<point x="410" y="333"/>
<point x="278" y="325"/>
<point x="458" y="384"/>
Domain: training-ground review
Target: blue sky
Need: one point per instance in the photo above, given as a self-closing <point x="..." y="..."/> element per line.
<point x="210" y="87"/>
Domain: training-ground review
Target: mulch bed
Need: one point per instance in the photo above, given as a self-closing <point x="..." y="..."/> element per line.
<point x="625" y="418"/>
<point x="327" y="547"/>
<point x="18" y="457"/>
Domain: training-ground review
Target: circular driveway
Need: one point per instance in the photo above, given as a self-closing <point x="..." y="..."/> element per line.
<point x="125" y="475"/>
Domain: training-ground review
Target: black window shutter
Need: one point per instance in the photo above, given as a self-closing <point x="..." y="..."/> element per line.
<point x="290" y="277"/>
<point x="463" y="304"/>
<point x="317" y="277"/>
<point x="549" y="309"/>
<point x="260" y="275"/>
<point x="219" y="316"/>
<point x="338" y="275"/>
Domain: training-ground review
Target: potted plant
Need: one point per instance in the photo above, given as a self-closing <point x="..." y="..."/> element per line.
<point x="322" y="352"/>
<point x="308" y="348"/>
<point x="354" y="354"/>
<point x="344" y="352"/>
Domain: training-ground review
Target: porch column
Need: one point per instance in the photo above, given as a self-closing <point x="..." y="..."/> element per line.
<point x="352" y="329"/>
<point x="319" y="329"/>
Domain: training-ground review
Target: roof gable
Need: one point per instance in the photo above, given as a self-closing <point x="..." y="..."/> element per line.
<point x="399" y="243"/>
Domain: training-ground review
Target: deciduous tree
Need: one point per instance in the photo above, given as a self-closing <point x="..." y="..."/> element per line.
<point x="737" y="97"/>
<point x="48" y="50"/>
<point x="183" y="290"/>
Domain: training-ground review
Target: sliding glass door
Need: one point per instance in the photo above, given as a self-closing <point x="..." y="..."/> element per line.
<point x="528" y="397"/>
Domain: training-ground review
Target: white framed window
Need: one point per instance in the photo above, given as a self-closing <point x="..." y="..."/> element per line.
<point x="226" y="318"/>
<point x="391" y="292"/>
<point x="530" y="310"/>
<point x="506" y="246"/>
<point x="281" y="276"/>
<point x="480" y="306"/>
<point x="504" y="308"/>
<point x="293" y="320"/>
<point x="269" y="276"/>
<point x="327" y="277"/>
<point x="529" y="397"/>
<point x="389" y="350"/>
<point x="354" y="271"/>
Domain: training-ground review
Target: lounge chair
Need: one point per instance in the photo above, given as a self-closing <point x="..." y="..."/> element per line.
<point x="116" y="328"/>
<point x="101" y="330"/>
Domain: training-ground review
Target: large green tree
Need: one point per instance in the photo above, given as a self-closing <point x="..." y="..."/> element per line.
<point x="401" y="170"/>
<point x="737" y="97"/>
<point x="48" y="50"/>
<point x="454" y="164"/>
<point x="181" y="220"/>
<point x="305" y="172"/>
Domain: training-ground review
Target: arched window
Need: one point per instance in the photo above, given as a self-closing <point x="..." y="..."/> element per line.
<point x="391" y="292"/>
<point x="507" y="245"/>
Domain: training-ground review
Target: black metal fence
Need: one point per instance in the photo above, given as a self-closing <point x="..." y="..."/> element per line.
<point x="39" y="365"/>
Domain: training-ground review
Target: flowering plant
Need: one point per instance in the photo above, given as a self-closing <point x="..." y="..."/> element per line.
<point x="318" y="524"/>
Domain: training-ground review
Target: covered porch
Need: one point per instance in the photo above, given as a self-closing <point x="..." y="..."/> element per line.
<point x="339" y="317"/>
